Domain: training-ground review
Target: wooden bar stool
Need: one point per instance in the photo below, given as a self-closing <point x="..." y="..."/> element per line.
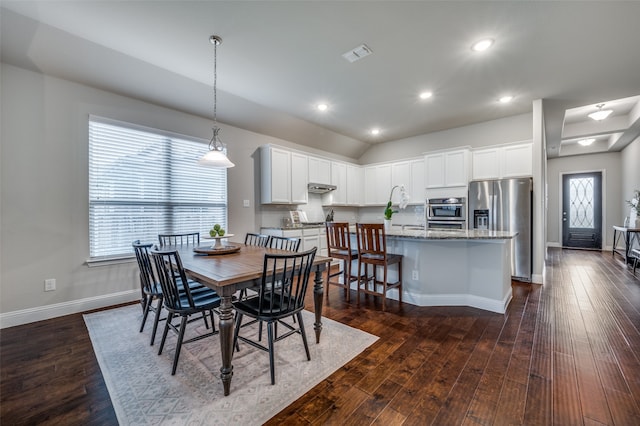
<point x="372" y="251"/>
<point x="339" y="247"/>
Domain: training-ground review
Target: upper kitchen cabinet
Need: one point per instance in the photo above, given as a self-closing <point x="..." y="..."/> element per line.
<point x="339" y="179"/>
<point x="502" y="162"/>
<point x="355" y="176"/>
<point x="283" y="176"/>
<point x="319" y="170"/>
<point x="377" y="184"/>
<point x="447" y="169"/>
<point x="410" y="174"/>
<point x="348" y="181"/>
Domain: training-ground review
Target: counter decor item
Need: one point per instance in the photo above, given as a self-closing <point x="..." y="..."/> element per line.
<point x="217" y="247"/>
<point x="388" y="211"/>
<point x="634" y="213"/>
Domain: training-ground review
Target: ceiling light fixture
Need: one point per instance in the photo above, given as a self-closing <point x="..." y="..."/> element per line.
<point x="375" y="132"/>
<point x="216" y="156"/>
<point x="482" y="45"/>
<point x="586" y="142"/>
<point x="426" y="95"/>
<point x="322" y="107"/>
<point x="600" y="114"/>
<point x="505" y="99"/>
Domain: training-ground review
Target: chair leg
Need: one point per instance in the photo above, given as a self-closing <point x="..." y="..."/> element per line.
<point x="237" y="331"/>
<point x="158" y="311"/>
<point x="271" y="356"/>
<point x="145" y="312"/>
<point x="183" y="326"/>
<point x="304" y="335"/>
<point x="384" y="288"/>
<point x="164" y="333"/>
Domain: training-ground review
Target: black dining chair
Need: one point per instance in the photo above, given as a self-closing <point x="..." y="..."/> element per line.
<point x="252" y="239"/>
<point x="180" y="301"/>
<point x="189" y="238"/>
<point x="151" y="289"/>
<point x="283" y="286"/>
<point x="284" y="243"/>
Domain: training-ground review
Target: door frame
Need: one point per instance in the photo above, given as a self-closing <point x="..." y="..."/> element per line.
<point x="605" y="228"/>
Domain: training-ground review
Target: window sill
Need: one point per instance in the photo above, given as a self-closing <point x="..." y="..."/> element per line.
<point x="107" y="261"/>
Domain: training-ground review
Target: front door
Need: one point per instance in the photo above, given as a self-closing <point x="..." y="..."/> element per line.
<point x="582" y="210"/>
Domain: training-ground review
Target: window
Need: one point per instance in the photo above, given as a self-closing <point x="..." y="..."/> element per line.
<point x="144" y="182"/>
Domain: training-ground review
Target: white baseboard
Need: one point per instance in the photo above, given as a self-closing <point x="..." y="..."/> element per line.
<point x="499" y="306"/>
<point x="537" y="278"/>
<point x="552" y="244"/>
<point x="25" y="316"/>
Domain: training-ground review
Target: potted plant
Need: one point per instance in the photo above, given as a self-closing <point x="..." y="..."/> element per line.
<point x="389" y="211"/>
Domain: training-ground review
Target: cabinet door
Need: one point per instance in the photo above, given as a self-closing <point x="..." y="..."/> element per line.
<point x="354" y="185"/>
<point x="418" y="184"/>
<point x="370" y="192"/>
<point x="383" y="183"/>
<point x="319" y="170"/>
<point x="401" y="175"/>
<point x="299" y="175"/>
<point x="517" y="161"/>
<point x="435" y="170"/>
<point x="485" y="164"/>
<point x="339" y="179"/>
<point x="455" y="169"/>
<point x="276" y="175"/>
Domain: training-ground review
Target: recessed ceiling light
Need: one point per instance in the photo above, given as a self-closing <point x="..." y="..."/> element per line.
<point x="322" y="107"/>
<point x="375" y="132"/>
<point x="426" y="95"/>
<point x="600" y="114"/>
<point x="586" y="142"/>
<point x="505" y="99"/>
<point x="482" y="45"/>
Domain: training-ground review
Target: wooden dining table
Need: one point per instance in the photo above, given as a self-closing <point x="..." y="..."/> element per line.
<point x="228" y="273"/>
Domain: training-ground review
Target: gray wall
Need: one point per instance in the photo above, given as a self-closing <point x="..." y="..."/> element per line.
<point x="44" y="190"/>
<point x="505" y="130"/>
<point x="630" y="175"/>
<point x="610" y="165"/>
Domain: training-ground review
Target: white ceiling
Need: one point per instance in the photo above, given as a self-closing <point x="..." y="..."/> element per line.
<point x="279" y="59"/>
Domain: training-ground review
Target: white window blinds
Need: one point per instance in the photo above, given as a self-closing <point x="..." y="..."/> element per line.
<point x="144" y="182"/>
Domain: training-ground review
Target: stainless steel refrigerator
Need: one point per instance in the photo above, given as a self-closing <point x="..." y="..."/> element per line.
<point x="505" y="205"/>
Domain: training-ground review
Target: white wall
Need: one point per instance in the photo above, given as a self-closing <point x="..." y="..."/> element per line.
<point x="44" y="191"/>
<point x="610" y="165"/>
<point x="630" y="158"/>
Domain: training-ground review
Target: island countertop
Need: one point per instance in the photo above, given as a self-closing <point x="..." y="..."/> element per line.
<point x="457" y="234"/>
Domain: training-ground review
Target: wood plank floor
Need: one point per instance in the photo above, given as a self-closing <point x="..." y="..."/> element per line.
<point x="566" y="353"/>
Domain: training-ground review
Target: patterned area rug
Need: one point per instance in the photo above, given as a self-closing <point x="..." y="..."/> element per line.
<point x="144" y="392"/>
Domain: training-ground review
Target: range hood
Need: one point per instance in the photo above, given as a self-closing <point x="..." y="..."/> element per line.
<point x="320" y="188"/>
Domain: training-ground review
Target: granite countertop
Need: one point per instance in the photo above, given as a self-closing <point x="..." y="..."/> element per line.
<point x="471" y="234"/>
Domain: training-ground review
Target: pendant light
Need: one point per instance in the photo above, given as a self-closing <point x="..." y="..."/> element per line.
<point x="600" y="114"/>
<point x="216" y="156"/>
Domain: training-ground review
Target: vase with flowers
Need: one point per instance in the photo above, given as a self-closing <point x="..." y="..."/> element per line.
<point x="634" y="213"/>
<point x="389" y="211"/>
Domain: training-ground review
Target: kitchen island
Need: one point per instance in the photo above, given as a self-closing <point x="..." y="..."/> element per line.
<point x="453" y="267"/>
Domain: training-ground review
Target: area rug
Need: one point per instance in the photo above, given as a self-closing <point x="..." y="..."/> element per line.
<point x="143" y="391"/>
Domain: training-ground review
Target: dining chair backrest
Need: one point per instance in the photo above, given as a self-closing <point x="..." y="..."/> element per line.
<point x="284" y="282"/>
<point x="372" y="240"/>
<point x="252" y="239"/>
<point x="284" y="243"/>
<point x="338" y="240"/>
<point x="190" y="238"/>
<point x="148" y="279"/>
<point x="177" y="297"/>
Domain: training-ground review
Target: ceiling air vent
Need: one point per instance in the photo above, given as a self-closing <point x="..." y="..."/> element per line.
<point x="357" y="53"/>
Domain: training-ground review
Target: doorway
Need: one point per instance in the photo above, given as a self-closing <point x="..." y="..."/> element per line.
<point x="582" y="210"/>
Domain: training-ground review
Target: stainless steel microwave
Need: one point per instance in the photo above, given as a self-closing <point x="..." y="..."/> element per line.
<point x="447" y="209"/>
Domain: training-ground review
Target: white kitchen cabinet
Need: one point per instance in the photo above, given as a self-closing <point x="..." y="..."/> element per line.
<point x="283" y="176"/>
<point x="319" y="170"/>
<point x="502" y="162"/>
<point x="309" y="237"/>
<point x="400" y="175"/>
<point x="517" y="160"/>
<point x="418" y="183"/>
<point x="354" y="185"/>
<point x="377" y="184"/>
<point x="409" y="173"/>
<point x="299" y="174"/>
<point x="447" y="169"/>
<point x="339" y="179"/>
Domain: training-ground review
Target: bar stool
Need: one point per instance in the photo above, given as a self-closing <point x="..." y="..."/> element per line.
<point x="372" y="250"/>
<point x="339" y="247"/>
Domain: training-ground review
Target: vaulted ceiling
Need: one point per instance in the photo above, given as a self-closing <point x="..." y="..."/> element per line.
<point x="278" y="60"/>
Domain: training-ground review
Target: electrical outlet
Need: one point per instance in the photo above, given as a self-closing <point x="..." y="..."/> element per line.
<point x="414" y="275"/>
<point x="49" y="284"/>
<point x="246" y="203"/>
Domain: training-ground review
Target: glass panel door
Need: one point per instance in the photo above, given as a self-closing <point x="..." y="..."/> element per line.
<point x="582" y="210"/>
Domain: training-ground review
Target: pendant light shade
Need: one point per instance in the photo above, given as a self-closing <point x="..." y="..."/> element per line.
<point x="600" y="114"/>
<point x="216" y="156"/>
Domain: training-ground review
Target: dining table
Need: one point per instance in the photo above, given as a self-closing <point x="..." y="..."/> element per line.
<point x="236" y="270"/>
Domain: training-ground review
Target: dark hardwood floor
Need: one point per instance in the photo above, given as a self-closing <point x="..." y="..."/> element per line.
<point x="565" y="353"/>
